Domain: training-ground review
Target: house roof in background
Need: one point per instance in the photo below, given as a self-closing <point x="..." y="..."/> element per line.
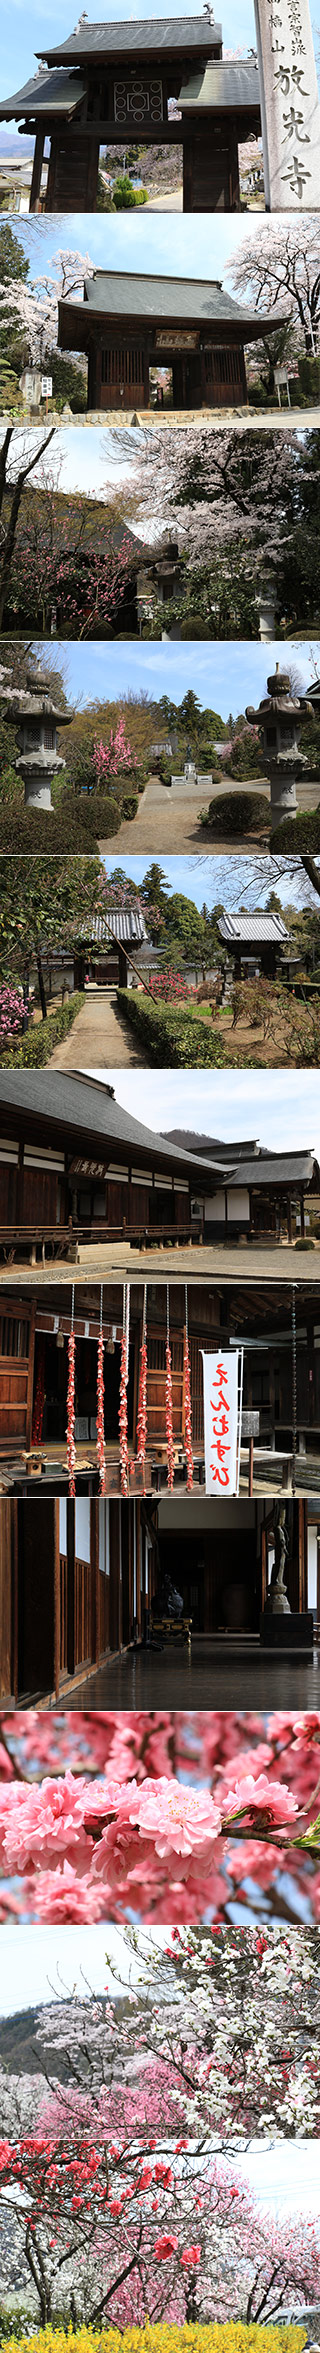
<point x="241" y="929"/>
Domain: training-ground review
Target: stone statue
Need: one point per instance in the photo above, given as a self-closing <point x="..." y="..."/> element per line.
<point x="277" y="1598"/>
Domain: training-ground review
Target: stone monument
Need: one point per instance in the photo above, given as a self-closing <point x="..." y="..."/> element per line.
<point x="279" y="719"/>
<point x="290" y="111"/>
<point x="37" y="718"/>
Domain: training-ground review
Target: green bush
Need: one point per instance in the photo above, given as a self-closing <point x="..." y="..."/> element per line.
<point x="194" y="628"/>
<point x="237" y="813"/>
<point x="299" y="833"/>
<point x="304" y="1242"/>
<point x="173" y="1040"/>
<point x="129" y="806"/>
<point x="39" y="1045"/>
<point x="73" y="826"/>
<point x="309" y="376"/>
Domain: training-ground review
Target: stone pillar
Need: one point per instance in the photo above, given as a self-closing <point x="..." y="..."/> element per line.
<point x="290" y="112"/>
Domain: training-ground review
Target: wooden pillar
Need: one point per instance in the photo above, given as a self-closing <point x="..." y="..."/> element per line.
<point x="94" y="376"/>
<point x="70" y="1585"/>
<point x="56" y="1596"/>
<point x="37" y="169"/>
<point x="272" y="1397"/>
<point x="95" y="1581"/>
<point x="146" y="363"/>
<point x="289" y="1219"/>
<point x="30" y="1378"/>
<point x="302" y="1215"/>
<point x="115" y="1596"/>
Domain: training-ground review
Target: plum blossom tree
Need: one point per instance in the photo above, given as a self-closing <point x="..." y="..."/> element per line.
<point x="120" y="2235"/>
<point x="140" y="1838"/>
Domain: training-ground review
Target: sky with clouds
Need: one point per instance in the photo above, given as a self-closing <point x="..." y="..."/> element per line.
<point x="223" y="677"/>
<point x="158" y="243"/>
<point x="280" y="1108"/>
<point x="234" y="881"/>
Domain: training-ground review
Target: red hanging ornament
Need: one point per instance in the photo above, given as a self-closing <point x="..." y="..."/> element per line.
<point x="123" y="1419"/>
<point x="187" y="1415"/>
<point x="71" y="1451"/>
<point x="142" y="1404"/>
<point x="38" y="1409"/>
<point x="100" y="1418"/>
<point x="169" y="1419"/>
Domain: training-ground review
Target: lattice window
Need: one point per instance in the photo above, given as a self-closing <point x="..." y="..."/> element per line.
<point x="14" y="1336"/>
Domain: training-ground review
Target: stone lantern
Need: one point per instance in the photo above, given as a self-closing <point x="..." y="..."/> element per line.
<point x="37" y="717"/>
<point x="279" y="718"/>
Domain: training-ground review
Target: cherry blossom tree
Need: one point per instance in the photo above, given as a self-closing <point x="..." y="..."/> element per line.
<point x="283" y="258"/>
<point x="36" y="304"/>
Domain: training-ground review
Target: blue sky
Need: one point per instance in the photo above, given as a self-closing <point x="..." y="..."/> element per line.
<point x="280" y="1108"/>
<point x="160" y="243"/>
<point x="26" y="31"/>
<point x="223" y="677"/>
<point x="233" y="880"/>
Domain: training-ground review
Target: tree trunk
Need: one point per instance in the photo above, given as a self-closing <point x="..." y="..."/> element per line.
<point x="42" y="993"/>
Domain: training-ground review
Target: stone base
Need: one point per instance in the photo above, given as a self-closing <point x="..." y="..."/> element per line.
<point x="38" y="796"/>
<point x="287" y="1633"/>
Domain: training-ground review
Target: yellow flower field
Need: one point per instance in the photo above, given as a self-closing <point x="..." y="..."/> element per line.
<point x="230" y="2336"/>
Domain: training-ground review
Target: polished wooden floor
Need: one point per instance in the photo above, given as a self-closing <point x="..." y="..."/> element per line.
<point x="210" y="1678"/>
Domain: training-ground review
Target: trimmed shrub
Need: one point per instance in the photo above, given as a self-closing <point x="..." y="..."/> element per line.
<point x="39" y="1045"/>
<point x="172" y="1039"/>
<point x="237" y="813"/>
<point x="299" y="833"/>
<point x="195" y="628"/>
<point x="129" y="806"/>
<point x="73" y="826"/>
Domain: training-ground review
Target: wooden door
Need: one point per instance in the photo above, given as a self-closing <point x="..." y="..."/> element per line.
<point x="122" y="377"/>
<point x="7" y="1512"/>
<point x="206" y="173"/>
<point x="73" y="173"/>
<point x="17" y="1323"/>
<point x="37" y="1561"/>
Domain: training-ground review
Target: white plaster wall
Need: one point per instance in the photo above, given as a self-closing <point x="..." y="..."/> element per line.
<point x="203" y="1512"/>
<point x="82" y="1527"/>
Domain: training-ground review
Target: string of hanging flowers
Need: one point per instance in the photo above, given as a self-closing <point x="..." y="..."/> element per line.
<point x="123" y="1408"/>
<point x="169" y="1414"/>
<point x="142" y="1395"/>
<point x="100" y="1417"/>
<point x="71" y="1451"/>
<point x="187" y="1406"/>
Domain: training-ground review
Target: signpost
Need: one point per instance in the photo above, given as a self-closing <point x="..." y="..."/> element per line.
<point x="46" y="390"/>
<point x="250" y="1428"/>
<point x="290" y="112"/>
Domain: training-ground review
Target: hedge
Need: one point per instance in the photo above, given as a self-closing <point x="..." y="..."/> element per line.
<point x="230" y="2336"/>
<point x="299" y="833"/>
<point x="39" y="1045"/>
<point x="237" y="813"/>
<point x="173" y="1040"/>
<point x="69" y="827"/>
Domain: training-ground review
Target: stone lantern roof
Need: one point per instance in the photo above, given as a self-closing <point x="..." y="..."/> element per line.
<point x="280" y="702"/>
<point x="35" y="699"/>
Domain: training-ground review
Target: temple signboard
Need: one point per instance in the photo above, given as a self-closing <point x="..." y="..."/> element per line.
<point x="222" y="1408"/>
<point x="290" y="112"/>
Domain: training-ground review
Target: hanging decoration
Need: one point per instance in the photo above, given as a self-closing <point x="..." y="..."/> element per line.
<point x="38" y="1408"/>
<point x="142" y="1395"/>
<point x="169" y="1416"/>
<point x="123" y="1408"/>
<point x="101" y="1453"/>
<point x="187" y="1403"/>
<point x="71" y="1451"/>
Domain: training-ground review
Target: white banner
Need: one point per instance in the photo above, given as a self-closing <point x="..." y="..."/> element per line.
<point x="290" y="113"/>
<point x="222" y="1396"/>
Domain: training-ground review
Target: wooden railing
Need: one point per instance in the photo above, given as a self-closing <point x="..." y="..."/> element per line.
<point x="63" y="1241"/>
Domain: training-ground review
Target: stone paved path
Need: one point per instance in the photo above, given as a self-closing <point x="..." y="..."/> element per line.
<point x="99" y="1040"/>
